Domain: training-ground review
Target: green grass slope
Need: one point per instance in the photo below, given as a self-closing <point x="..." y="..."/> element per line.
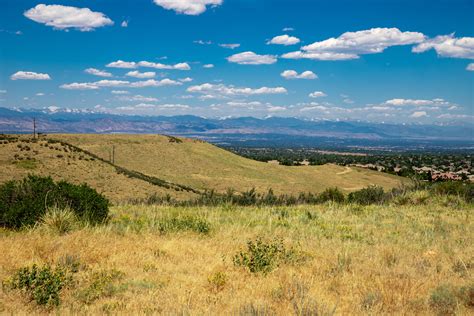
<point x="201" y="165"/>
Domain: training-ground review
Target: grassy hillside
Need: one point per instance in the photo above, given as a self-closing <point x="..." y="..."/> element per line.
<point x="339" y="260"/>
<point x="19" y="157"/>
<point x="204" y="166"/>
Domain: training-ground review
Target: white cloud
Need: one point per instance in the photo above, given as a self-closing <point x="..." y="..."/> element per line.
<point x="317" y="94"/>
<point x="187" y="79"/>
<point x="210" y="91"/>
<point x="154" y="83"/>
<point x="351" y="45"/>
<point x="455" y="116"/>
<point x="404" y="102"/>
<point x="64" y="17"/>
<point x="470" y="67"/>
<point x="3" y="91"/>
<point x="179" y="66"/>
<point x="201" y="42"/>
<point x="448" y="46"/>
<point x="141" y="75"/>
<point x="97" y="72"/>
<point x="418" y="114"/>
<point x="137" y="98"/>
<point x="208" y="66"/>
<point x="122" y="64"/>
<point x="291" y="74"/>
<point x="29" y="75"/>
<point x="120" y="83"/>
<point x="272" y="108"/>
<point x="119" y="92"/>
<point x="250" y="58"/>
<point x="79" y="86"/>
<point x="230" y="46"/>
<point x="288" y="29"/>
<point x="284" y="40"/>
<point x="189" y="7"/>
<point x="124" y="24"/>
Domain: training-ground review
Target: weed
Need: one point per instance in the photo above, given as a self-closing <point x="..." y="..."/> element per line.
<point x="217" y="281"/>
<point x="42" y="284"/>
<point x="186" y="223"/>
<point x="101" y="284"/>
<point x="443" y="300"/>
<point x="59" y="220"/>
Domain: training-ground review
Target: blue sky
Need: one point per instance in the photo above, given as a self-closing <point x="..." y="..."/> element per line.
<point x="375" y="60"/>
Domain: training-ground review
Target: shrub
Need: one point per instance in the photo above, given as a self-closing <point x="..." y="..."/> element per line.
<point x="24" y="202"/>
<point x="262" y="256"/>
<point x="187" y="223"/>
<point x="463" y="190"/>
<point x="331" y="195"/>
<point x="443" y="300"/>
<point x="101" y="284"/>
<point x="217" y="281"/>
<point x="42" y="284"/>
<point x="367" y="196"/>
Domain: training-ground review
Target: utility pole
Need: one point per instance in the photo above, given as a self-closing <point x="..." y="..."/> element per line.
<point x="34" y="127"/>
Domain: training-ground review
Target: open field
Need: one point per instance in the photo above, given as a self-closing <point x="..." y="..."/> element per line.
<point x="201" y="165"/>
<point x="341" y="259"/>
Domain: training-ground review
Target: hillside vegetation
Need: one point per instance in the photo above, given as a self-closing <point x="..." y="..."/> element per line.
<point x="203" y="166"/>
<point x="20" y="156"/>
<point x="331" y="259"/>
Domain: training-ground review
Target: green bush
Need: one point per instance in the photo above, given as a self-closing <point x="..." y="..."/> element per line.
<point x="370" y="195"/>
<point x="443" y="300"/>
<point x="263" y="256"/>
<point x="24" y="202"/>
<point x="331" y="195"/>
<point x="456" y="188"/>
<point x="42" y="284"/>
<point x="186" y="223"/>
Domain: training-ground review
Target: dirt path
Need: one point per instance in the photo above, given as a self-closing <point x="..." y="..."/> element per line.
<point x="348" y="170"/>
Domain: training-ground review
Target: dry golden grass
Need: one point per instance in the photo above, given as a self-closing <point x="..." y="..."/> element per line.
<point x="75" y="167"/>
<point x="358" y="260"/>
<point x="204" y="166"/>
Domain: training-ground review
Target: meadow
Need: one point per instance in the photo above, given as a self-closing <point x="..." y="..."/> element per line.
<point x="410" y="256"/>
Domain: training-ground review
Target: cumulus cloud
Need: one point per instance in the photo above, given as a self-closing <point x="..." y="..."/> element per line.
<point x="412" y="102"/>
<point x="65" y="17"/>
<point x="137" y="98"/>
<point x="230" y="46"/>
<point x="250" y="58"/>
<point x="179" y="66"/>
<point x="29" y="75"/>
<point x="119" y="83"/>
<point x="97" y="72"/>
<point x="448" y="46"/>
<point x="351" y="45"/>
<point x="210" y="91"/>
<point x="284" y="40"/>
<point x="292" y="74"/>
<point x="418" y="114"/>
<point x="470" y="67"/>
<point x="188" y="7"/>
<point x="124" y="24"/>
<point x="122" y="64"/>
<point x="141" y="75"/>
<point x="187" y="79"/>
<point x="317" y="94"/>
<point x="79" y="86"/>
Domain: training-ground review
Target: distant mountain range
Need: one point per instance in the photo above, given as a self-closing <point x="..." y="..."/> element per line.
<point x="273" y="131"/>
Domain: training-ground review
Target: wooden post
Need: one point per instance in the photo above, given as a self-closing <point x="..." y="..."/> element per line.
<point x="113" y="154"/>
<point x="34" y="127"/>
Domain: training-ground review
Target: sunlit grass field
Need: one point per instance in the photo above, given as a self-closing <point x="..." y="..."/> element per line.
<point x="339" y="260"/>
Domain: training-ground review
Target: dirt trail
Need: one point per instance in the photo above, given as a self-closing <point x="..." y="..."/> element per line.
<point x="348" y="170"/>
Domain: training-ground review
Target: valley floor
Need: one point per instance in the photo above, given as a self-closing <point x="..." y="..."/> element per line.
<point x="345" y="259"/>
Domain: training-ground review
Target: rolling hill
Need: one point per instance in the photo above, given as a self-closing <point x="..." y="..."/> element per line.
<point x="201" y="166"/>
